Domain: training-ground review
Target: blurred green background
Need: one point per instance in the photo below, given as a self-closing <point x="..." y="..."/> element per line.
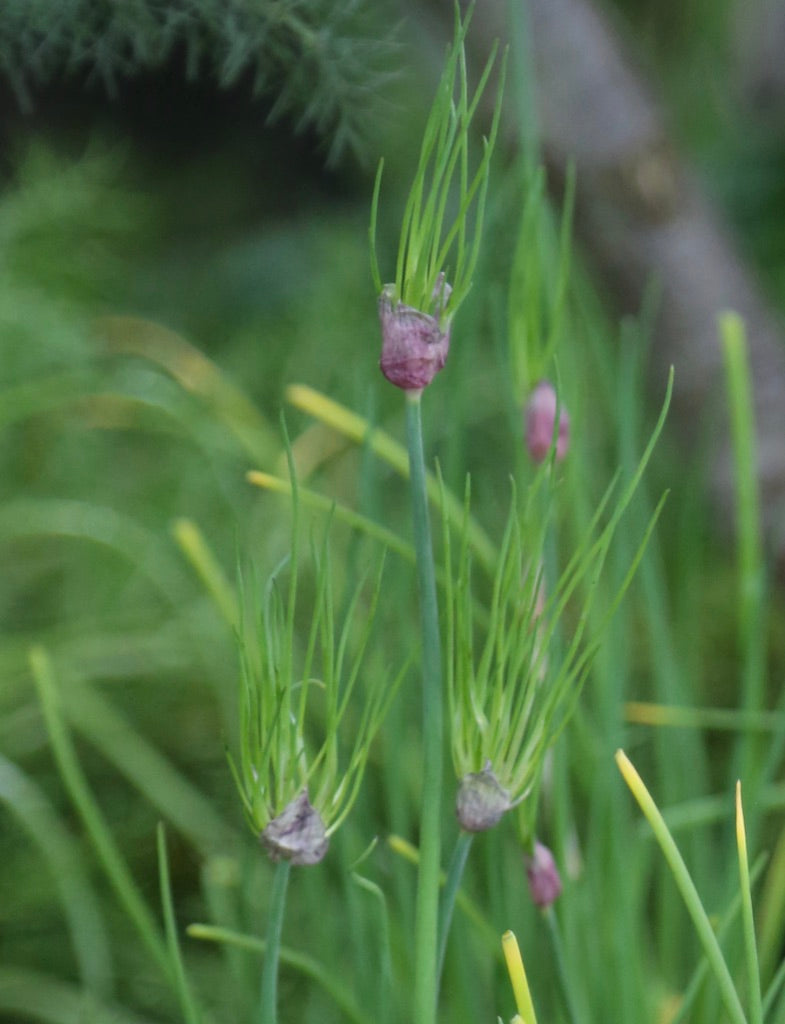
<point x="170" y="260"/>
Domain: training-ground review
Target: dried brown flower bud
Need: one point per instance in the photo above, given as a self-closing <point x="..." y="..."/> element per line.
<point x="297" y="834"/>
<point x="540" y="417"/>
<point x="414" y="347"/>
<point x="481" y="800"/>
<point x="543" y="876"/>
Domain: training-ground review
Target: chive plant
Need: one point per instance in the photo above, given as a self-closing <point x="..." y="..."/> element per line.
<point x="437" y="255"/>
<point x="506" y="703"/>
<point x="296" y="776"/>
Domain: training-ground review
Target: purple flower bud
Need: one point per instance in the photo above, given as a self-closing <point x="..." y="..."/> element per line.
<point x="414" y="348"/>
<point x="543" y="876"/>
<point x="540" y="416"/>
<point x="481" y="800"/>
<point x="297" y="834"/>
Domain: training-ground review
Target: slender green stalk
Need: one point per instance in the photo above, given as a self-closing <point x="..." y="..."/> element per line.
<point x="427" y="910"/>
<point x="269" y="993"/>
<point x="70" y="873"/>
<point x="454" y="876"/>
<point x="750" y="945"/>
<point x="686" y="886"/>
<point x="692" y="990"/>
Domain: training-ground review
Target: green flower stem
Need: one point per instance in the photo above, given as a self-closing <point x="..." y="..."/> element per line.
<point x="427" y="909"/>
<point x="454" y="876"/>
<point x="269" y="993"/>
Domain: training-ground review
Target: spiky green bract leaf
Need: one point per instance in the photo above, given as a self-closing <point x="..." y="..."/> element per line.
<point x="508" y="699"/>
<point x="300" y="684"/>
<point x="442" y="222"/>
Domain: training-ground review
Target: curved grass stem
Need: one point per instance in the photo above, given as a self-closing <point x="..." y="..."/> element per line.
<point x="454" y="876"/>
<point x="427" y="909"/>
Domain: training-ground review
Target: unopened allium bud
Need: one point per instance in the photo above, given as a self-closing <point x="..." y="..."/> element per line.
<point x="481" y="800"/>
<point x="543" y="876"/>
<point x="414" y="347"/>
<point x="540" y="418"/>
<point x="297" y="834"/>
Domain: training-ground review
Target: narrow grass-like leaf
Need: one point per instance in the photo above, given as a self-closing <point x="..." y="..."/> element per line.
<point x="520" y="983"/>
<point x="188" y="1004"/>
<point x="387" y="979"/>
<point x="719" y="719"/>
<point x="686" y="887"/>
<point x="109" y="856"/>
<point x="750" y="945"/>
<point x="375" y="273"/>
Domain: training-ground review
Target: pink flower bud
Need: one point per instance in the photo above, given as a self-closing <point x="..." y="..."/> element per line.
<point x="414" y="348"/>
<point x="540" y="417"/>
<point x="543" y="876"/>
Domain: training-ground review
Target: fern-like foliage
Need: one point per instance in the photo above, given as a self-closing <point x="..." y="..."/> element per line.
<point x="323" y="64"/>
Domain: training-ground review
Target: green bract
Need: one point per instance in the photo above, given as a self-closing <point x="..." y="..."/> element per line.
<point x="296" y="779"/>
<point x="436" y="234"/>
<point x="507" y="701"/>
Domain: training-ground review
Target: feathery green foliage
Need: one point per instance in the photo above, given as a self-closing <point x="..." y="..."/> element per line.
<point x="316" y="62"/>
